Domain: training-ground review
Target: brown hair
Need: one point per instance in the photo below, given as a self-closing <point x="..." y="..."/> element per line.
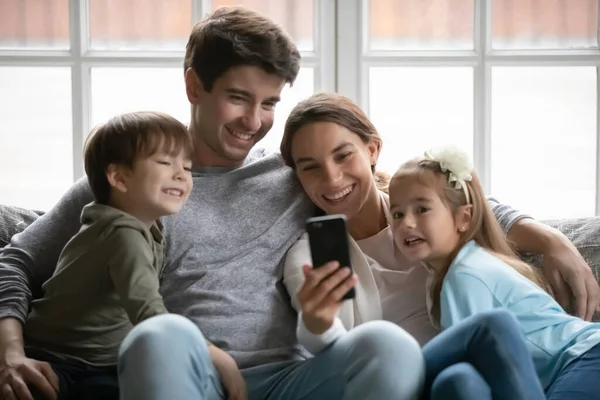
<point x="234" y="36"/>
<point x="337" y="109"/>
<point x="125" y="138"/>
<point x="484" y="227"/>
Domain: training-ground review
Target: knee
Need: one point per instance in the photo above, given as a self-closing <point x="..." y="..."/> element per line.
<point x="458" y="380"/>
<point x="497" y="320"/>
<point x="162" y="336"/>
<point x="393" y="354"/>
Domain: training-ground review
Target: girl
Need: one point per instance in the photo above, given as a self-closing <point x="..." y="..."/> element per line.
<point x="333" y="147"/>
<point x="441" y="218"/>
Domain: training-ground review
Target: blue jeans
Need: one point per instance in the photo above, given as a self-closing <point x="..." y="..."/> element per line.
<point x="76" y="380"/>
<point x="579" y="380"/>
<point x="166" y="358"/>
<point x="483" y="357"/>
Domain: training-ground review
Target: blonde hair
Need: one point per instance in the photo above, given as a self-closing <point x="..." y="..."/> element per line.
<point x="484" y="228"/>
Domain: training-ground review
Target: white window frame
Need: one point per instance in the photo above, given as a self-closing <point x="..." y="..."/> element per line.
<point x="80" y="59"/>
<point x="354" y="60"/>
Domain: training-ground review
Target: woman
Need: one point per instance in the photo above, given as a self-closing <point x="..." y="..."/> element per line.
<point x="334" y="147"/>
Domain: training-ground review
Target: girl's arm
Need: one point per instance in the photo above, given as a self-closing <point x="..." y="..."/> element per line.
<point x="563" y="265"/>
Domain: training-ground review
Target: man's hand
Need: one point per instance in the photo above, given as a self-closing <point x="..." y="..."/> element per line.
<point x="17" y="371"/>
<point x="569" y="274"/>
<point x="320" y="296"/>
<point x="230" y="374"/>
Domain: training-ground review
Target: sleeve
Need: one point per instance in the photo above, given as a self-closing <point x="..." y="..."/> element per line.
<point x="293" y="275"/>
<point x="131" y="268"/>
<point x="30" y="258"/>
<point x="462" y="296"/>
<point x="505" y="214"/>
<point x="316" y="343"/>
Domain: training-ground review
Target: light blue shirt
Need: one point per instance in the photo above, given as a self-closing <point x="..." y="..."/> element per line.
<point x="477" y="281"/>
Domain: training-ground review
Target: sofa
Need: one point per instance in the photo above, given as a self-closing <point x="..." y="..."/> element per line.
<point x="583" y="232"/>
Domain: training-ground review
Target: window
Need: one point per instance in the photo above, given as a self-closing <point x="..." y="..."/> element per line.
<point x="513" y="81"/>
<point x="66" y="66"/>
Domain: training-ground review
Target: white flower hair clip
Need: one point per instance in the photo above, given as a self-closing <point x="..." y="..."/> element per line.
<point x="457" y="163"/>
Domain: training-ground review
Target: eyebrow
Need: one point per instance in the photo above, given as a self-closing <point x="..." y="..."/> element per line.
<point x="413" y="200"/>
<point x="247" y="94"/>
<point x="335" y="150"/>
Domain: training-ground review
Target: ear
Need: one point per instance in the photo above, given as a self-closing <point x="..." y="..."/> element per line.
<point x="374" y="148"/>
<point x="463" y="218"/>
<point x="193" y="86"/>
<point x="117" y="177"/>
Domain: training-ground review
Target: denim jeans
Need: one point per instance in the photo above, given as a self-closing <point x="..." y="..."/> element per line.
<point x="78" y="381"/>
<point x="483" y="357"/>
<point x="166" y="358"/>
<point x="579" y="380"/>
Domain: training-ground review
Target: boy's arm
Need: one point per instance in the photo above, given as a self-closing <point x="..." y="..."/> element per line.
<point x="563" y="265"/>
<point x="131" y="268"/>
<point x="30" y="259"/>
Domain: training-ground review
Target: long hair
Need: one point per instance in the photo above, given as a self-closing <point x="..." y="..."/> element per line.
<point x="484" y="228"/>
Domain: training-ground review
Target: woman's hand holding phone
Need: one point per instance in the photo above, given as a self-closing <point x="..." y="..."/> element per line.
<point x="321" y="294"/>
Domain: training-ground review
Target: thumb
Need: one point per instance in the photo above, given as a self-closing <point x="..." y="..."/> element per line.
<point x="306" y="269"/>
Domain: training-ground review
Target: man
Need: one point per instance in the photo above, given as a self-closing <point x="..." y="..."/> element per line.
<point x="224" y="253"/>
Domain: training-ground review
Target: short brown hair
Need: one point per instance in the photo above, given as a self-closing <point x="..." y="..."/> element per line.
<point x="127" y="137"/>
<point x="234" y="36"/>
<point x="337" y="109"/>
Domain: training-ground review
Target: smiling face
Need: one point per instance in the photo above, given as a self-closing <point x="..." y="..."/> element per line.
<point x="333" y="165"/>
<point x="156" y="186"/>
<point x="234" y="115"/>
<point x="424" y="227"/>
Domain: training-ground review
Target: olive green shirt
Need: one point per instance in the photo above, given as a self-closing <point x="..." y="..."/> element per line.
<point x="106" y="281"/>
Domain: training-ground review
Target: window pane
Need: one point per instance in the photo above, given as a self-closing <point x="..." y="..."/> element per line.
<point x="36" y="138"/>
<point x="544" y="139"/>
<point x="34" y="24"/>
<point x="547" y="24"/>
<point x="140" y="24"/>
<point x="295" y="16"/>
<point x="415" y="109"/>
<point x="119" y="90"/>
<point x="421" y="25"/>
<point x="304" y="86"/>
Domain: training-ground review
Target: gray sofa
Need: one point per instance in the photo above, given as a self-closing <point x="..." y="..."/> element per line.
<point x="583" y="232"/>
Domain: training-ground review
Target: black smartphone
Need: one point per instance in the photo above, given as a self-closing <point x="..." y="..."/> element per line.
<point x="328" y="239"/>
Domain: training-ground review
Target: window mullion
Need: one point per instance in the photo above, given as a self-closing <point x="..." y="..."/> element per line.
<point x="80" y="99"/>
<point x="482" y="149"/>
<point x="349" y="39"/>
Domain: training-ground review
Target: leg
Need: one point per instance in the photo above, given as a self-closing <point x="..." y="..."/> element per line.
<point x="97" y="384"/>
<point x="376" y="360"/>
<point x="580" y="380"/>
<point x="494" y="344"/>
<point x="460" y="382"/>
<point x="166" y="357"/>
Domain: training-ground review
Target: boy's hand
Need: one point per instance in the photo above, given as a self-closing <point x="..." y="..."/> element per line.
<point x="232" y="379"/>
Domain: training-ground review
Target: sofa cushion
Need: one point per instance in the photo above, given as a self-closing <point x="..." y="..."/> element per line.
<point x="13" y="220"/>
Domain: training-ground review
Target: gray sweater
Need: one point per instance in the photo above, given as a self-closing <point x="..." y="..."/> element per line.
<point x="224" y="258"/>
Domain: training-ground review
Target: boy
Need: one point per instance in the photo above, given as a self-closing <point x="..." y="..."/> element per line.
<point x="138" y="166"/>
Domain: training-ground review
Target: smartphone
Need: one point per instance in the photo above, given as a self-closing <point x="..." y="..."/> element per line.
<point x="328" y="240"/>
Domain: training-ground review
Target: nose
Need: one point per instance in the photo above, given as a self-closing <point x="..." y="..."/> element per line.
<point x="409" y="221"/>
<point x="251" y="119"/>
<point x="179" y="174"/>
<point x="333" y="173"/>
